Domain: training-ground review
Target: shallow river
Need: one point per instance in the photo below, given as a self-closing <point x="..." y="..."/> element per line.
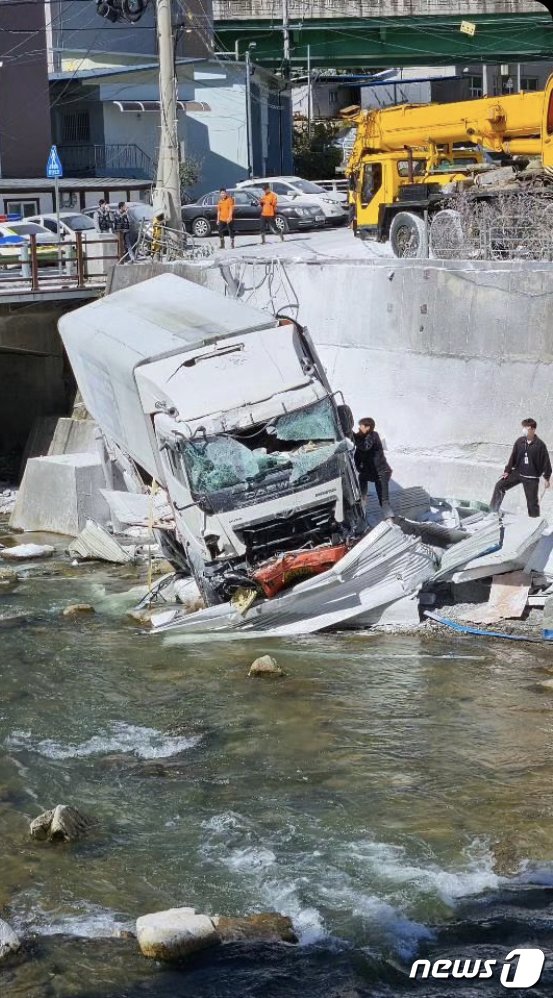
<point x="392" y="794"/>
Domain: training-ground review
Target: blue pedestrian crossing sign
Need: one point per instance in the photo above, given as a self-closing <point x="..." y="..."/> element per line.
<point x="54" y="169"/>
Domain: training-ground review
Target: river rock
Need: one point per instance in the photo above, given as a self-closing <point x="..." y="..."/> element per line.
<point x="9" y="942"/>
<point x="77" y="609"/>
<point x="266" y="665"/>
<point x="25" y="552"/>
<point x="175" y="933"/>
<point x="178" y="932"/>
<point x="268" y="927"/>
<point x="8" y="581"/>
<point x="62" y="824"/>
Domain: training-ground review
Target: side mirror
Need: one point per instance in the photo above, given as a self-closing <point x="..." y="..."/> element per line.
<point x="345" y="416"/>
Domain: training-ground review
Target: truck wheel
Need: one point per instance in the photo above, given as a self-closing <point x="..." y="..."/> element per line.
<point x="446" y="235"/>
<point x="408" y="235"/>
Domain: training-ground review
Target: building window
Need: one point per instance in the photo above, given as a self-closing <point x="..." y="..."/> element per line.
<point x="529" y="83"/>
<point x="23" y="208"/>
<point x="332" y="96"/>
<point x="475" y="86"/>
<point x="76" y="127"/>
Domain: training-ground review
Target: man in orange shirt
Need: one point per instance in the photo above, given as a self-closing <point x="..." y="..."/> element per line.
<point x="225" y="217"/>
<point x="269" y="203"/>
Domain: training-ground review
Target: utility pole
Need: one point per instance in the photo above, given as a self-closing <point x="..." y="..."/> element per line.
<point x="166" y="195"/>
<point x="249" y="134"/>
<point x="285" y="38"/>
<point x="309" y="94"/>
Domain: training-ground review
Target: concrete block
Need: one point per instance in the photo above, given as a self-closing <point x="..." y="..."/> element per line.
<point x="74" y="436"/>
<point x="60" y="493"/>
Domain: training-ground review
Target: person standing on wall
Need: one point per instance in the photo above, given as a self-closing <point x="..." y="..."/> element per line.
<point x="371" y="464"/>
<point x="225" y="217"/>
<point x="529" y="460"/>
<point x="122" y="224"/>
<point x="269" y="203"/>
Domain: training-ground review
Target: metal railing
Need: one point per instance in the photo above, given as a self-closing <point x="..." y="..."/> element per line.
<point x="66" y="265"/>
<point x="113" y="160"/>
<point x="80" y="264"/>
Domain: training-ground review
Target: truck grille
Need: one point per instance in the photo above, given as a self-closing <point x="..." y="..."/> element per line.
<point x="289" y="531"/>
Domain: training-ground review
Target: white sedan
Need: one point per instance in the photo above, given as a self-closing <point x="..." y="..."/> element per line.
<point x="332" y="203"/>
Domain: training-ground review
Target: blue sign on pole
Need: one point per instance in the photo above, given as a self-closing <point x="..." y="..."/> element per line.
<point x="54" y="169"/>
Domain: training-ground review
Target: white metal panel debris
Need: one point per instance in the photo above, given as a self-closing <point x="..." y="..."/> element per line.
<point x="521" y="533"/>
<point x="95" y="543"/>
<point x="386" y="565"/>
<point x="485" y="539"/>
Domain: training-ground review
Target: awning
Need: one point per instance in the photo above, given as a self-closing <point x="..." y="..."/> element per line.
<point x="153" y="105"/>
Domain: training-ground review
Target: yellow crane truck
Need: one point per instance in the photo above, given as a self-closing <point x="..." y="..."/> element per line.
<point x="408" y="160"/>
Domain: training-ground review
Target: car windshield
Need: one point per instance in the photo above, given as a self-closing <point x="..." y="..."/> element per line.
<point x="283" y="452"/>
<point x="306" y="187"/>
<point x="28" y="229"/>
<point x="78" y="223"/>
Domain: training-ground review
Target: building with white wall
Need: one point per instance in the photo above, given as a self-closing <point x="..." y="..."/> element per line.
<point x="108" y="120"/>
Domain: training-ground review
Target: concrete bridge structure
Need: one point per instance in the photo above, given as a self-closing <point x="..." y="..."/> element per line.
<point x="382" y="33"/>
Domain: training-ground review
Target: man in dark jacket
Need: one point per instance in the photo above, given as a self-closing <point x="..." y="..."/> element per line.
<point x="371" y="464"/>
<point x="529" y="460"/>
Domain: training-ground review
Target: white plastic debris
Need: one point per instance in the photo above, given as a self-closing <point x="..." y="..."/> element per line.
<point x="521" y="533"/>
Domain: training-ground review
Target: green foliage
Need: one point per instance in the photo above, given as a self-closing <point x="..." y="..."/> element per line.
<point x="189" y="172"/>
<point x="316" y="156"/>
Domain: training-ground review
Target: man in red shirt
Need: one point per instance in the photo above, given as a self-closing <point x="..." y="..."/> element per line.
<point x="269" y="203"/>
<point x="225" y="217"/>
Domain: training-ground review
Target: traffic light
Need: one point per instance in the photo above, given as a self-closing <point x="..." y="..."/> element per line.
<point x="121" y="10"/>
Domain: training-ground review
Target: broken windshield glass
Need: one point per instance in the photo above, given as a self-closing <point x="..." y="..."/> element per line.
<point x="316" y="422"/>
<point x="282" y="452"/>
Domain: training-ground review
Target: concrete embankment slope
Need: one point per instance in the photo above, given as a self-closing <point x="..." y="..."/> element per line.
<point x="447" y="356"/>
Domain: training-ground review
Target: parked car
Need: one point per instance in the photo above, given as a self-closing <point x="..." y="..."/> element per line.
<point x="332" y="203"/>
<point x="293" y="215"/>
<point x="14" y="234"/>
<point x="139" y="213"/>
<point x="71" y="222"/>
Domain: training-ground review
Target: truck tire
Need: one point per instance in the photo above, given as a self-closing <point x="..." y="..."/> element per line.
<point x="408" y="236"/>
<point x="447" y="240"/>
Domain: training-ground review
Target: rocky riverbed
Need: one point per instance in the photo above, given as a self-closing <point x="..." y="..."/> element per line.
<point x="390" y="794"/>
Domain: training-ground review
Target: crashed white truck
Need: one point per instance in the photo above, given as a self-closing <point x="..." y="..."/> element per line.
<point x="230" y="410"/>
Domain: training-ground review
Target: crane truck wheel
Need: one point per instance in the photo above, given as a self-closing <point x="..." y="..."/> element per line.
<point x="408" y="235"/>
<point x="446" y="235"/>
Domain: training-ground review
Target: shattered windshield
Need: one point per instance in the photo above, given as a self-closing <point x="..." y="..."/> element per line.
<point x="282" y="451"/>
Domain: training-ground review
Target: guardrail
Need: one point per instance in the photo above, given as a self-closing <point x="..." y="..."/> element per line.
<point x="71" y="265"/>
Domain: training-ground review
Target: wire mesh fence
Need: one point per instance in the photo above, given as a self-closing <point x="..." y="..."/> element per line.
<point x="506" y="226"/>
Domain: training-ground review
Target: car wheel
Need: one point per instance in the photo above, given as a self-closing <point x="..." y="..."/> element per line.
<point x="201" y="227"/>
<point x="282" y="223"/>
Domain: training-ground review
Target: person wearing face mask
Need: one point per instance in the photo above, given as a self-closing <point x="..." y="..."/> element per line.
<point x="529" y="460"/>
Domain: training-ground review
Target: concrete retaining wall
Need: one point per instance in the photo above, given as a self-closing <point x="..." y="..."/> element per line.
<point x="448" y="357"/>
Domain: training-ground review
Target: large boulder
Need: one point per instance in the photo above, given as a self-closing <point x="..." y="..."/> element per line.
<point x="9" y="942"/>
<point x="175" y="933"/>
<point x="179" y="932"/>
<point x="62" y="824"/>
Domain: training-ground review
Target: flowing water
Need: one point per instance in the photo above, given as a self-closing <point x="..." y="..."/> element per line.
<point x="392" y="794"/>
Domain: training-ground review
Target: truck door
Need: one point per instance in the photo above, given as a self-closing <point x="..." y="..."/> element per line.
<point x="368" y="195"/>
